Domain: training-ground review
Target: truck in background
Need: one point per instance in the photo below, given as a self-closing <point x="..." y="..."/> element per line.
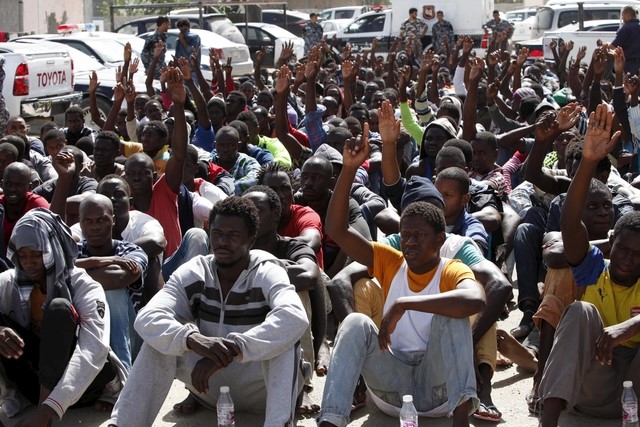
<point x="385" y="24"/>
<point x="38" y="80"/>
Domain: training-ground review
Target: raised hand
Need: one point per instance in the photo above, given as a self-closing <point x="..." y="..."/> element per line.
<point x="194" y="59"/>
<point x="214" y="60"/>
<point x="546" y="127"/>
<point x="553" y="44"/>
<point x="127" y="52"/>
<point x="227" y="68"/>
<point x="618" y="60"/>
<point x="312" y="67"/>
<point x="356" y="150"/>
<point x="425" y="62"/>
<point x="404" y="74"/>
<point x="435" y="65"/>
<point x="388" y="125"/>
<point x="133" y="66"/>
<point x="283" y="80"/>
<point x="175" y="88"/>
<point x="568" y="116"/>
<point x="119" y="74"/>
<point x="64" y="163"/>
<point x="493" y="89"/>
<point x="300" y="68"/>
<point x="477" y="69"/>
<point x="493" y="59"/>
<point x="598" y="142"/>
<point x="286" y="53"/>
<point x="599" y="61"/>
<point x="260" y="54"/>
<point x="522" y="57"/>
<point x="569" y="46"/>
<point x="129" y="92"/>
<point x="631" y="85"/>
<point x="348" y="69"/>
<point x="118" y="93"/>
<point x="582" y="52"/>
<point x="467" y="45"/>
<point x="93" y="82"/>
<point x="158" y="49"/>
<point x="185" y="68"/>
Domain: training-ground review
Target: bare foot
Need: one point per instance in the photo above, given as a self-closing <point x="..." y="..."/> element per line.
<point x="501" y="360"/>
<point x="188" y="405"/>
<point x="519" y="354"/>
<point x="306" y="405"/>
<point x="322" y="359"/>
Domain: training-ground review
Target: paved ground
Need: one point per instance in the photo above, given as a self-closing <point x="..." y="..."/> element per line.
<point x="510" y="388"/>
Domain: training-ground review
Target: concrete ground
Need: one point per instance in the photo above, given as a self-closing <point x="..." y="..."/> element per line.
<point x="510" y="386"/>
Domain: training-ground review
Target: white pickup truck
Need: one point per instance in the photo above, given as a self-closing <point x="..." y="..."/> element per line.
<point x="593" y="31"/>
<point x="38" y="80"/>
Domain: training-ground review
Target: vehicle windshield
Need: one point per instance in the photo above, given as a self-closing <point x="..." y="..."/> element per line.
<point x="83" y="62"/>
<point x="367" y="24"/>
<point x="109" y="50"/>
<point x="544" y="18"/>
<point x="344" y="14"/>
<point x="325" y="15"/>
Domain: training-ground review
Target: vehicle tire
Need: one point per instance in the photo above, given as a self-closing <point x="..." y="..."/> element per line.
<point x="104" y="106"/>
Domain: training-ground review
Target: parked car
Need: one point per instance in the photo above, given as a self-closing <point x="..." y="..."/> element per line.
<point x="593" y="31"/>
<point x="214" y="22"/>
<point x="272" y="37"/>
<point x="38" y="80"/>
<point x="522" y="29"/>
<point x="343" y="12"/>
<point x="331" y="27"/>
<point x="295" y="21"/>
<point x="520" y="15"/>
<point x="105" y="47"/>
<point x="241" y="58"/>
<point x="83" y="66"/>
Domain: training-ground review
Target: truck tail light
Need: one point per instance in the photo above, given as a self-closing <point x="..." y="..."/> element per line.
<point x="21" y="81"/>
<point x="536" y="53"/>
<point x="485" y="41"/>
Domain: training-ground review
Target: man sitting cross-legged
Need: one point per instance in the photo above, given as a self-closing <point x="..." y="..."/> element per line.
<point x="230" y="318"/>
<point x="419" y="287"/>
<point x="601" y="330"/>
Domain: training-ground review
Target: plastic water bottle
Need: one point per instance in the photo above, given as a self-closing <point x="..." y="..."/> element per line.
<point x="629" y="406"/>
<point x="408" y="413"/>
<point x="226" y="413"/>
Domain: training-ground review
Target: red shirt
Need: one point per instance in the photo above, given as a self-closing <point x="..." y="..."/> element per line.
<point x="303" y="218"/>
<point x="33" y="201"/>
<point x="164" y="208"/>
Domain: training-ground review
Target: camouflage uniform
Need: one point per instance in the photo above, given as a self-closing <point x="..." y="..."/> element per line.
<point x="414" y="28"/>
<point x="312" y="34"/>
<point x="499" y="27"/>
<point x="441" y="31"/>
<point x="146" y="56"/>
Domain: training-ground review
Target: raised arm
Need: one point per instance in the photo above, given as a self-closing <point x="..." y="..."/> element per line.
<point x="282" y="126"/>
<point x="389" y="131"/>
<point x="201" y="105"/>
<point x="470" y="108"/>
<point x="350" y="241"/>
<point x="175" y="165"/>
<point x="157" y="51"/>
<point x="93" y="102"/>
<point x="598" y="143"/>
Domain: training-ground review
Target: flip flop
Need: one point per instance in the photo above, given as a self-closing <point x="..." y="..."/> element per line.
<point x="534" y="403"/>
<point x="486" y="411"/>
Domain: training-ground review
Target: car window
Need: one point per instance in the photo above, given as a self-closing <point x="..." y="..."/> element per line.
<point x="325" y="15"/>
<point x="570" y="16"/>
<point x="544" y="19"/>
<point x="80" y="46"/>
<point x="149" y="26"/>
<point x="515" y="16"/>
<point x="367" y="24"/>
<point x="344" y="14"/>
<point x="271" y="18"/>
<point x="129" y="29"/>
<point x="264" y="36"/>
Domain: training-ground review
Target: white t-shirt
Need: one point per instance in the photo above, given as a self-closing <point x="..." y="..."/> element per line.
<point x="140" y="224"/>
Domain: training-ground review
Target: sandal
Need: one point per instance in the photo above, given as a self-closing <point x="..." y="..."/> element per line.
<point x="359" y="395"/>
<point x="484" y="412"/>
<point x="534" y="403"/>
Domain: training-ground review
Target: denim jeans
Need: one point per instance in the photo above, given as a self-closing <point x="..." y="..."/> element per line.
<point x="122" y="317"/>
<point x="195" y="242"/>
<point x="444" y="374"/>
<point x="527" y="251"/>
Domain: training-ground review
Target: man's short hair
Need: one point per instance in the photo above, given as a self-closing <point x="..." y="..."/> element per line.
<point x="629" y="222"/>
<point x="183" y="23"/>
<point x="431" y="214"/>
<point x="158" y="127"/>
<point x="629" y="10"/>
<point x="239" y="94"/>
<point x="86" y="144"/>
<point x="439" y="12"/>
<point x="115" y="177"/>
<point x="250" y="116"/>
<point x="161" y="20"/>
<point x="496" y="11"/>
<point x="274" y="200"/>
<point x="19" y="143"/>
<point x="451" y="152"/>
<point x="464" y="146"/>
<point x="488" y="138"/>
<point x="78" y="154"/>
<point x="111" y="136"/>
<point x="458" y="175"/>
<point x="413" y="10"/>
<point x="53" y="134"/>
<point x="273" y="167"/>
<point x="74" y="109"/>
<point x="311" y="15"/>
<point x="240" y="207"/>
<point x="241" y="126"/>
<point x="6" y="147"/>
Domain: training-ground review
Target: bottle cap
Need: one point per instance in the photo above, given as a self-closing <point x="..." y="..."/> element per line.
<point x="224" y="389"/>
<point x="407" y="398"/>
<point x="627" y="384"/>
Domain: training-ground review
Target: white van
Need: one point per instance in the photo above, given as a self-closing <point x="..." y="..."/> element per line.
<point x="344" y="12"/>
<point x="558" y="13"/>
